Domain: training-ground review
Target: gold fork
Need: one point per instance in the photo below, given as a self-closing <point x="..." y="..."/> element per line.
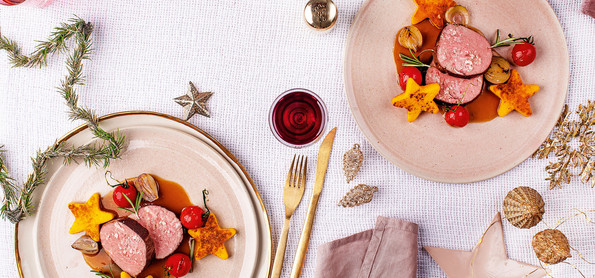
<point x="292" y="195"/>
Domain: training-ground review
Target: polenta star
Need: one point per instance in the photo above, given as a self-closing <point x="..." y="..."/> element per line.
<point x="432" y="9"/>
<point x="194" y="102"/>
<point x="89" y="216"/>
<point x="417" y="99"/>
<point x="514" y="95"/>
<point x="211" y="239"/>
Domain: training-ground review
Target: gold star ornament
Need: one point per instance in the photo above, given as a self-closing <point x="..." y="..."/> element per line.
<point x="211" y="239"/>
<point x="432" y="9"/>
<point x="514" y="95"/>
<point x="88" y="217"/>
<point x="194" y="102"/>
<point x="487" y="259"/>
<point x="417" y="99"/>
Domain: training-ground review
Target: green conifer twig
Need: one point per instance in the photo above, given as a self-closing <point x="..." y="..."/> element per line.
<point x="17" y="202"/>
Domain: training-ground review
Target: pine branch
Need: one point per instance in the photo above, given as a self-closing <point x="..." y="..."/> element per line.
<point x="55" y="43"/>
<point x="17" y="202"/>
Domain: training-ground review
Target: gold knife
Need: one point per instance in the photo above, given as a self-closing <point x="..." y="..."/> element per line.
<point x="323" y="157"/>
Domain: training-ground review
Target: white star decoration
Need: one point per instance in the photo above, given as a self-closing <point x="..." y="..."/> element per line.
<point x="487" y="260"/>
<point x="194" y="102"/>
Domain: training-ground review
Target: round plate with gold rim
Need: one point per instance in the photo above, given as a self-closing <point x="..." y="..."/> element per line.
<point x="428" y="147"/>
<point x="173" y="150"/>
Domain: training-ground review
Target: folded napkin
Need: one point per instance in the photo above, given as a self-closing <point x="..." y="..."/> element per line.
<point x="388" y="249"/>
<point x="589" y="7"/>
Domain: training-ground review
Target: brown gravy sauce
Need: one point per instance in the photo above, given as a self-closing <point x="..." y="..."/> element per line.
<point x="483" y="108"/>
<point x="429" y="34"/>
<point x="171" y="196"/>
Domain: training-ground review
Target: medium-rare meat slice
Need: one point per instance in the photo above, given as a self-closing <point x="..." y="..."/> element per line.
<point x="164" y="227"/>
<point x="462" y="51"/>
<point x="128" y="243"/>
<point x="455" y="89"/>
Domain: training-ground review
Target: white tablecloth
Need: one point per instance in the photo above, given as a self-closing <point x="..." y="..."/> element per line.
<point x="248" y="52"/>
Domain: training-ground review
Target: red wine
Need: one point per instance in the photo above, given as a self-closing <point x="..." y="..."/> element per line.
<point x="298" y="117"/>
<point x="11" y="2"/>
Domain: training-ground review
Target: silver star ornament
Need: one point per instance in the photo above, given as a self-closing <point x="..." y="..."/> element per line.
<point x="194" y="102"/>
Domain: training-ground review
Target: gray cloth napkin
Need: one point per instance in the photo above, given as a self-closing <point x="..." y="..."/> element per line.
<point x="387" y="250"/>
<point x="589" y="7"/>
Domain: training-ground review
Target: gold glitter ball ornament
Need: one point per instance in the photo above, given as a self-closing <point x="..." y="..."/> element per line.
<point x="358" y="195"/>
<point x="352" y="161"/>
<point x="523" y="207"/>
<point x="551" y="246"/>
<point x="321" y="15"/>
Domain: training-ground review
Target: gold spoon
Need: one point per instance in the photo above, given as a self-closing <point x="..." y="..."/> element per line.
<point x="321" y="15"/>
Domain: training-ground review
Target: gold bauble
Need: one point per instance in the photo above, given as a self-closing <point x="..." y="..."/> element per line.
<point x="321" y="15"/>
<point x="523" y="207"/>
<point x="551" y="246"/>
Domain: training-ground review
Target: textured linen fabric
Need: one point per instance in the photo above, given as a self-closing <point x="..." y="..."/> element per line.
<point x="248" y="52"/>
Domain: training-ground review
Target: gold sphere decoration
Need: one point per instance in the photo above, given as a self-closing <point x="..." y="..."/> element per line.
<point x="321" y="15"/>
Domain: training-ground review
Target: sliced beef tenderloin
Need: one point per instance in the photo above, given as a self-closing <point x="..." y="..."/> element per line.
<point x="164" y="227"/>
<point x="455" y="89"/>
<point x="462" y="51"/>
<point x="128" y="243"/>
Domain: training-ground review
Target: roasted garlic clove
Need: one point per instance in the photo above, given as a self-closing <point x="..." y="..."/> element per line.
<point x="146" y="184"/>
<point x="498" y="72"/>
<point x="410" y="37"/>
<point x="457" y="15"/>
<point x="86" y="245"/>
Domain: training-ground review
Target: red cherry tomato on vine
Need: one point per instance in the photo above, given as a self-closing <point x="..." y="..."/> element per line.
<point x="523" y="54"/>
<point x="119" y="193"/>
<point x="178" y="264"/>
<point x="457" y="116"/>
<point x="409" y="72"/>
<point x="191" y="217"/>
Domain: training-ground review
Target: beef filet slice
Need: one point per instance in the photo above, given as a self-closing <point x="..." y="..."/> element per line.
<point x="164" y="227"/>
<point x="455" y="89"/>
<point x="128" y="243"/>
<point x="462" y="51"/>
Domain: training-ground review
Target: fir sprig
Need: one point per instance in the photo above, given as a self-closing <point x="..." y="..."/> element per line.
<point x="17" y="202"/>
<point x="55" y="43"/>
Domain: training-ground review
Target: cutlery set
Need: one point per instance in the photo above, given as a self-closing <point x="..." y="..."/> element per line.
<point x="292" y="195"/>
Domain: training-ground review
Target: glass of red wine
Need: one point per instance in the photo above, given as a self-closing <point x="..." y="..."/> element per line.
<point x="38" y="3"/>
<point x="297" y="118"/>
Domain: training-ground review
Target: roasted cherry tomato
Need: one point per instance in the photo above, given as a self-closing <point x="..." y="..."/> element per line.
<point x="409" y="72"/>
<point x="457" y="116"/>
<point x="177" y="265"/>
<point x="191" y="217"/>
<point x="119" y="193"/>
<point x="523" y="54"/>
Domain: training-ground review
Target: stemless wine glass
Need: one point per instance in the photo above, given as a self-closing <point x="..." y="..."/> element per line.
<point x="38" y="3"/>
<point x="297" y="118"/>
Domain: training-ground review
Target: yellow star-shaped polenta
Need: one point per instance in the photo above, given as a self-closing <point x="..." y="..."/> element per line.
<point x="88" y="217"/>
<point x="432" y="9"/>
<point x="417" y="99"/>
<point x="514" y="95"/>
<point x="211" y="239"/>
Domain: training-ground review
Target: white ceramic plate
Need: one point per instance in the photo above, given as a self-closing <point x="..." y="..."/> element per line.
<point x="173" y="150"/>
<point x="428" y="147"/>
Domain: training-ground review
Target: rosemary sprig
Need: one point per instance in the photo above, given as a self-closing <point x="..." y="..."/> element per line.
<point x="136" y="205"/>
<point x="17" y="201"/>
<point x="511" y="40"/>
<point x="413" y="61"/>
<point x="103" y="275"/>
